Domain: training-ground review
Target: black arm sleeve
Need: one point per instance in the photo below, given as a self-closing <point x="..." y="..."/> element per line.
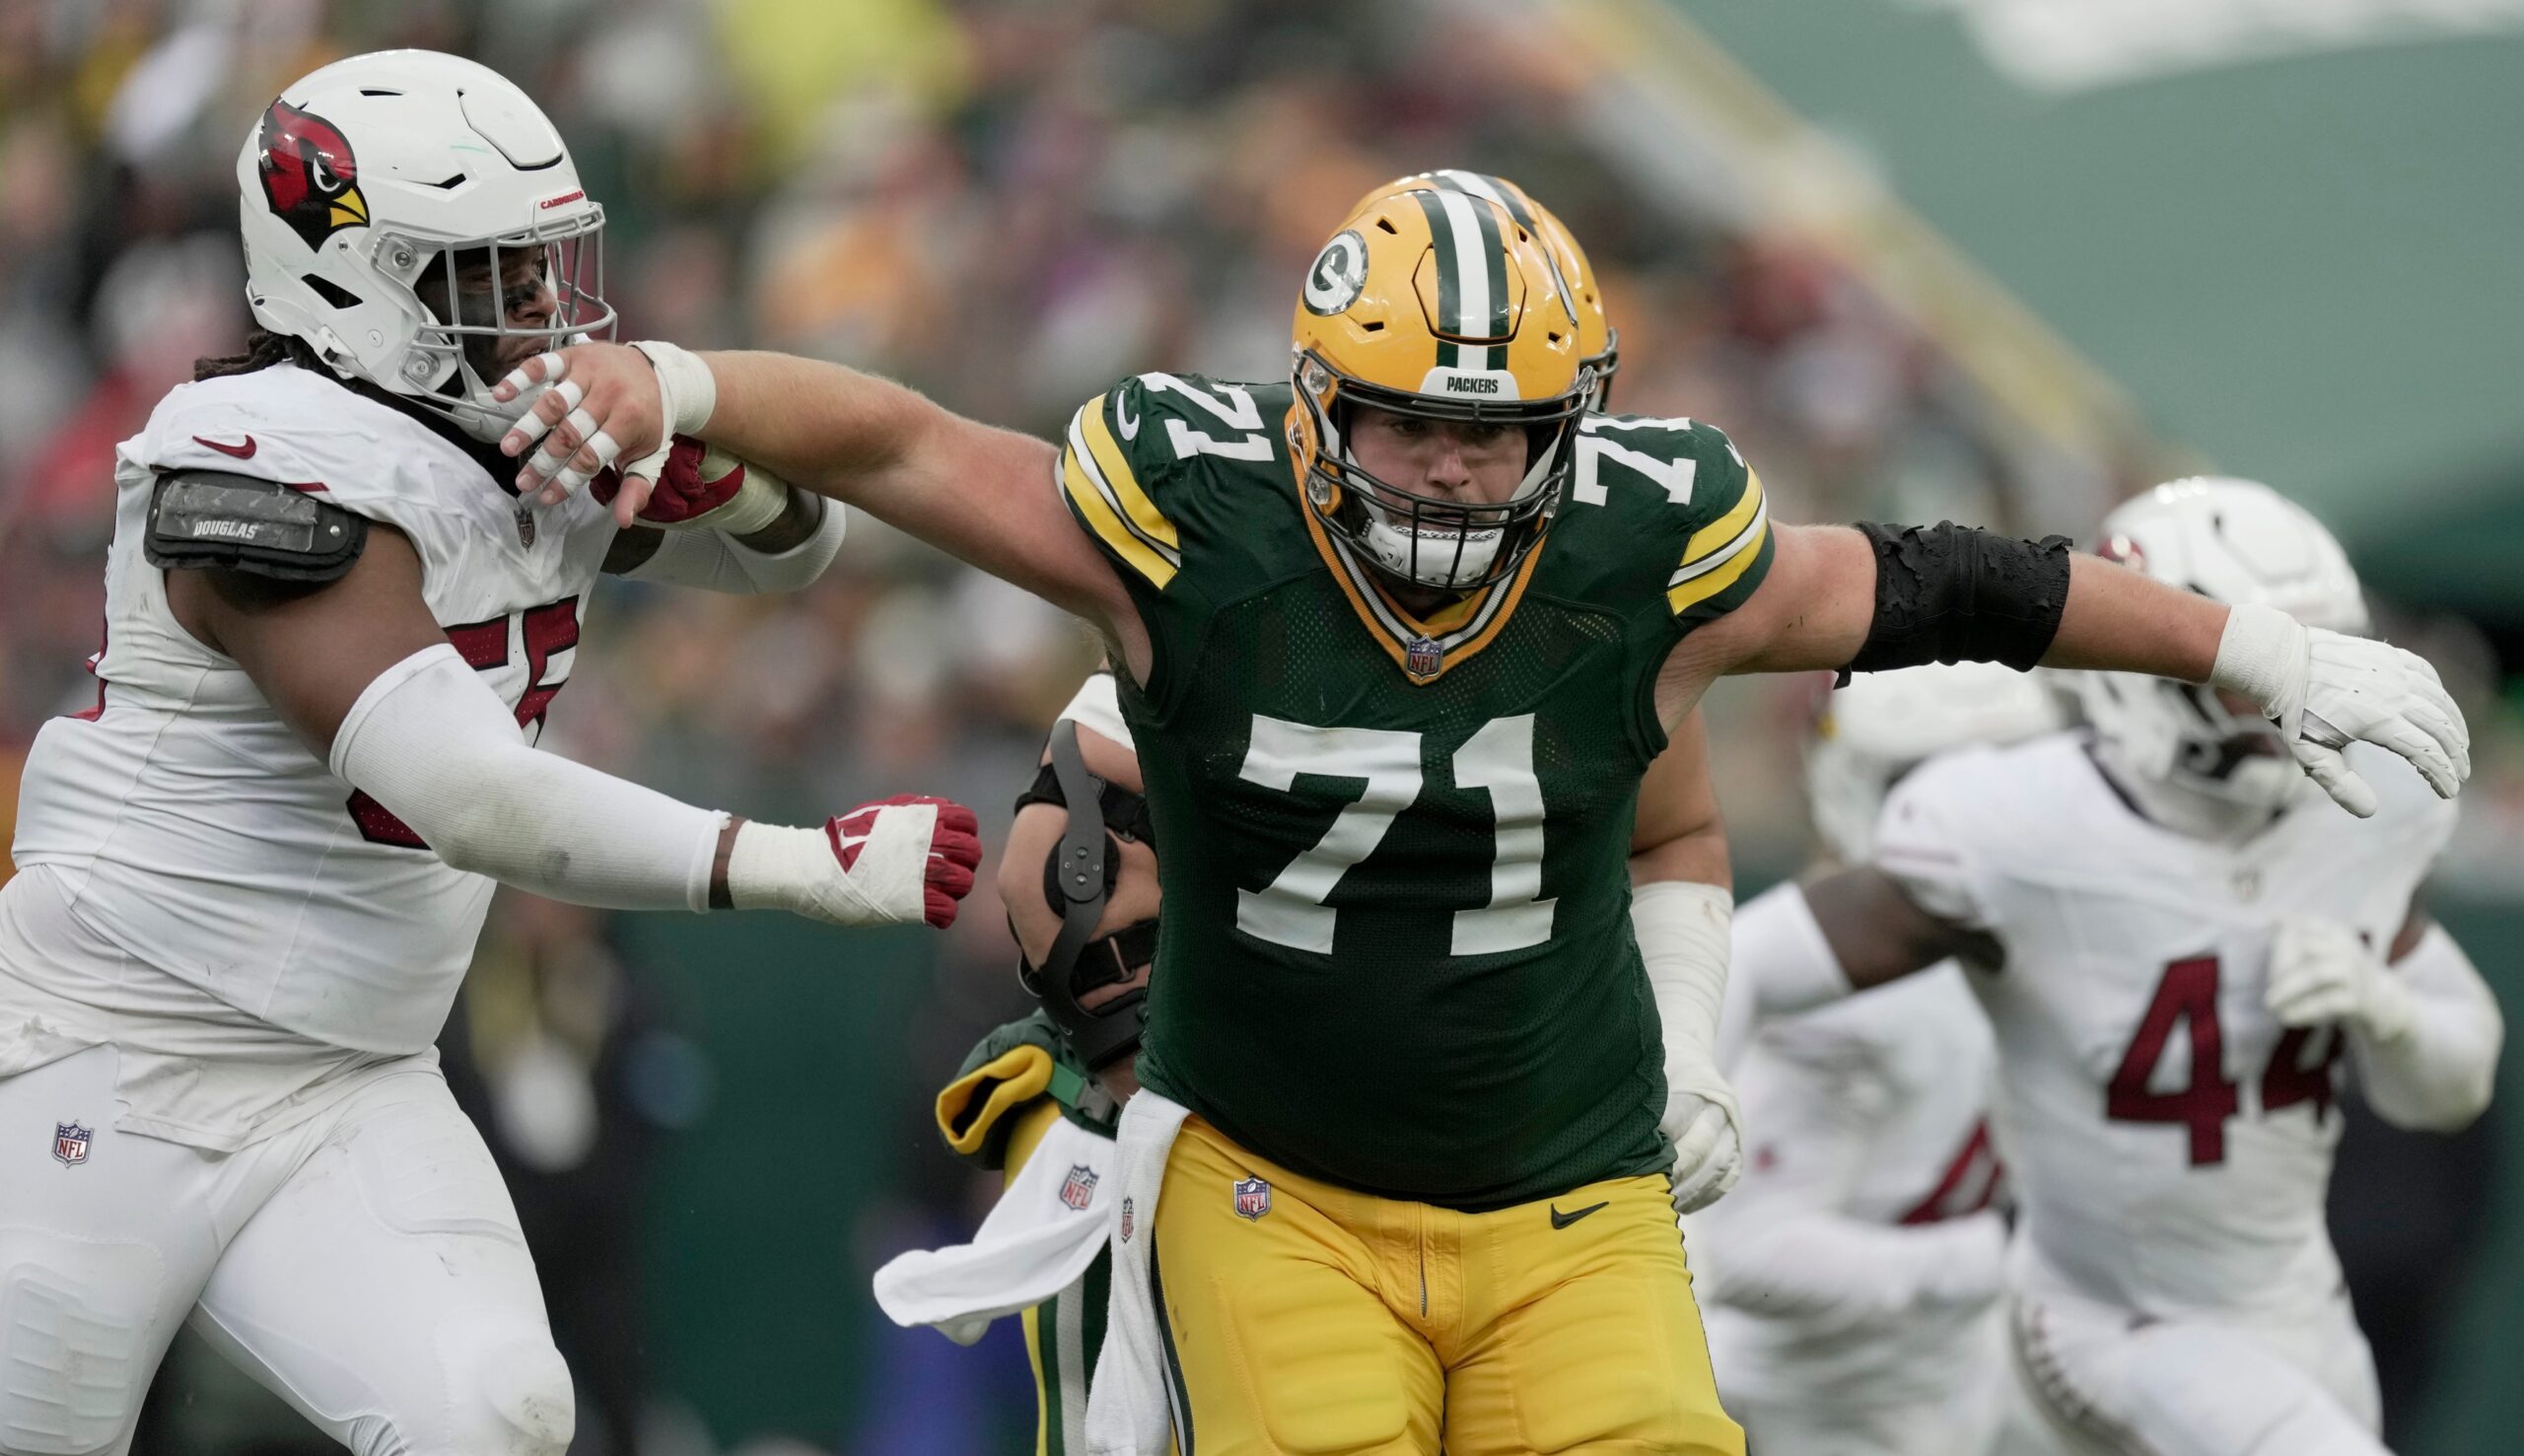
<point x="1952" y="593"/>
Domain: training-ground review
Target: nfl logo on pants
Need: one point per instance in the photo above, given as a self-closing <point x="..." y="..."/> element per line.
<point x="70" y="1143"/>
<point x="1252" y="1198"/>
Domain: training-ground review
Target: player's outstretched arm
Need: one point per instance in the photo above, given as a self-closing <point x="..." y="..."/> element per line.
<point x="1876" y="598"/>
<point x="983" y="494"/>
<point x="2423" y="1031"/>
<point x="358" y="670"/>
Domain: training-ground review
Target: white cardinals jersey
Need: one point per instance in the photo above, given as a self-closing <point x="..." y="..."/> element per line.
<point x="192" y="829"/>
<point x="1865" y="1131"/>
<point x="2168" y="1141"/>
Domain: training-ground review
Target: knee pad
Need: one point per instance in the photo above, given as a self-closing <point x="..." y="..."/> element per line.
<point x="79" y="1338"/>
<point x="528" y="1407"/>
<point x="512" y="1398"/>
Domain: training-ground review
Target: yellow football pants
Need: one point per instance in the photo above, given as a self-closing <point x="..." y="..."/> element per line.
<point x="1323" y="1322"/>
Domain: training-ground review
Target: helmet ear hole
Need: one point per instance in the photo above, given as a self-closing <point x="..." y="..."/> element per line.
<point x="331" y="292"/>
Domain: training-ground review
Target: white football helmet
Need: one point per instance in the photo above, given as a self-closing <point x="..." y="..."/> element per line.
<point x="364" y="189"/>
<point x="2234" y="541"/>
<point x="1884" y="724"/>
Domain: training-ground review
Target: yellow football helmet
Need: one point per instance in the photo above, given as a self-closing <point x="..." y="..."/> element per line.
<point x="1598" y="342"/>
<point x="1434" y="303"/>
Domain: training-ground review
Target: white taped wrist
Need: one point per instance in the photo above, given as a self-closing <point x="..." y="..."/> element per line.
<point x="776" y="867"/>
<point x="2265" y="655"/>
<point x="686" y="389"/>
<point x="1682" y="929"/>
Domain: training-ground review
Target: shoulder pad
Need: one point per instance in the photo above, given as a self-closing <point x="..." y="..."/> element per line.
<point x="1129" y="453"/>
<point x="211" y="517"/>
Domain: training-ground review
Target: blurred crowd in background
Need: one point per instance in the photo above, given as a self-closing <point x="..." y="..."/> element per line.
<point x="1007" y="205"/>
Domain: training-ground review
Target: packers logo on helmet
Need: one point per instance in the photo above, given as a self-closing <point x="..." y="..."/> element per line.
<point x="1339" y="272"/>
<point x="1598" y="342"/>
<point x="1436" y="303"/>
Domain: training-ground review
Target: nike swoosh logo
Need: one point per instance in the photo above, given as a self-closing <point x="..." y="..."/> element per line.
<point x="243" y="452"/>
<point x="1560" y="1220"/>
<point x="1130" y="423"/>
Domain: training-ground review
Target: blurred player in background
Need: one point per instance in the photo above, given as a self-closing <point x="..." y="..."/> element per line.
<point x="1038" y="1099"/>
<point x="2176" y="943"/>
<point x="1398" y="639"/>
<point x="252" y="875"/>
<point x="1852" y="1275"/>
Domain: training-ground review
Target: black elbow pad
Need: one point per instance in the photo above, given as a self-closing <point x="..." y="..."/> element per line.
<point x="211" y="517"/>
<point x="1953" y="593"/>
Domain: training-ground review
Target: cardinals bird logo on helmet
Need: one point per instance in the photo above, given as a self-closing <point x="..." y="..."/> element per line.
<point x="308" y="175"/>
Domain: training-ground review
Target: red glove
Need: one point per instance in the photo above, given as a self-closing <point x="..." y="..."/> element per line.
<point x="698" y="481"/>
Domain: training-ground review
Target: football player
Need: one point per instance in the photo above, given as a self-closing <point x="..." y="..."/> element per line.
<point x="252" y="874"/>
<point x="2176" y="944"/>
<point x="1397" y="638"/>
<point x="1038" y="1099"/>
<point x="999" y="1110"/>
<point x="1851" y="1277"/>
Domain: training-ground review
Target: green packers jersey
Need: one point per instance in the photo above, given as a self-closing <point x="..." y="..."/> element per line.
<point x="1396" y="950"/>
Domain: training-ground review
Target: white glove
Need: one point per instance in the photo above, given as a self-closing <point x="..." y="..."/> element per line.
<point x="2324" y="689"/>
<point x="1709" y="1148"/>
<point x="897" y="862"/>
<point x="2319" y="971"/>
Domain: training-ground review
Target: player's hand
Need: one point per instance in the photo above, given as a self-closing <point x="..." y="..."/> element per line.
<point x="2324" y="690"/>
<point x="604" y="404"/>
<point x="2321" y="971"/>
<point x="704" y="488"/>
<point x="900" y="860"/>
<point x="1709" y="1148"/>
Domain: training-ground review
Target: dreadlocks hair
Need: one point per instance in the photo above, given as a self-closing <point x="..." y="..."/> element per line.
<point x="263" y="349"/>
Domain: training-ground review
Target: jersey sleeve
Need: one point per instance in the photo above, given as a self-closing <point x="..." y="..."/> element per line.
<point x="1925" y="844"/>
<point x="1677" y="491"/>
<point x="1729" y="551"/>
<point x="266" y="424"/>
<point x="1112" y="483"/>
<point x="1097" y="708"/>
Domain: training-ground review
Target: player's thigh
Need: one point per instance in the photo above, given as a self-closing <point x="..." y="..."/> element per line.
<point x="2184" y="1388"/>
<point x="1274" y="1328"/>
<point x="104" y="1240"/>
<point x="386" y="1291"/>
<point x="1595" y="1343"/>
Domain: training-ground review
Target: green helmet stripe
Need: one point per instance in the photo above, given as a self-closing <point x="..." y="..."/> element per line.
<point x="1442" y="242"/>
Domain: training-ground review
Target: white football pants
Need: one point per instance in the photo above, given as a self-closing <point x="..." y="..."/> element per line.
<point x="2093" y="1382"/>
<point x="365" y="1265"/>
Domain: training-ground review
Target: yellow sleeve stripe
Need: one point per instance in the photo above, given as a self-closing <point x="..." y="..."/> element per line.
<point x="1709" y="583"/>
<point x="1109" y="463"/>
<point x="1721" y="532"/>
<point x="1720" y="552"/>
<point x="1110" y="513"/>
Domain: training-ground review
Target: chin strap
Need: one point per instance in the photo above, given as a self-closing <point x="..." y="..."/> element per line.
<point x="1077" y="882"/>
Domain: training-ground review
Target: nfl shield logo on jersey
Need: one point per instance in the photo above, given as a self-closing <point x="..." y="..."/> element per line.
<point x="70" y="1143"/>
<point x="1126" y="1220"/>
<point x="1422" y="658"/>
<point x="1252" y="1198"/>
<point x="1078" y="1190"/>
